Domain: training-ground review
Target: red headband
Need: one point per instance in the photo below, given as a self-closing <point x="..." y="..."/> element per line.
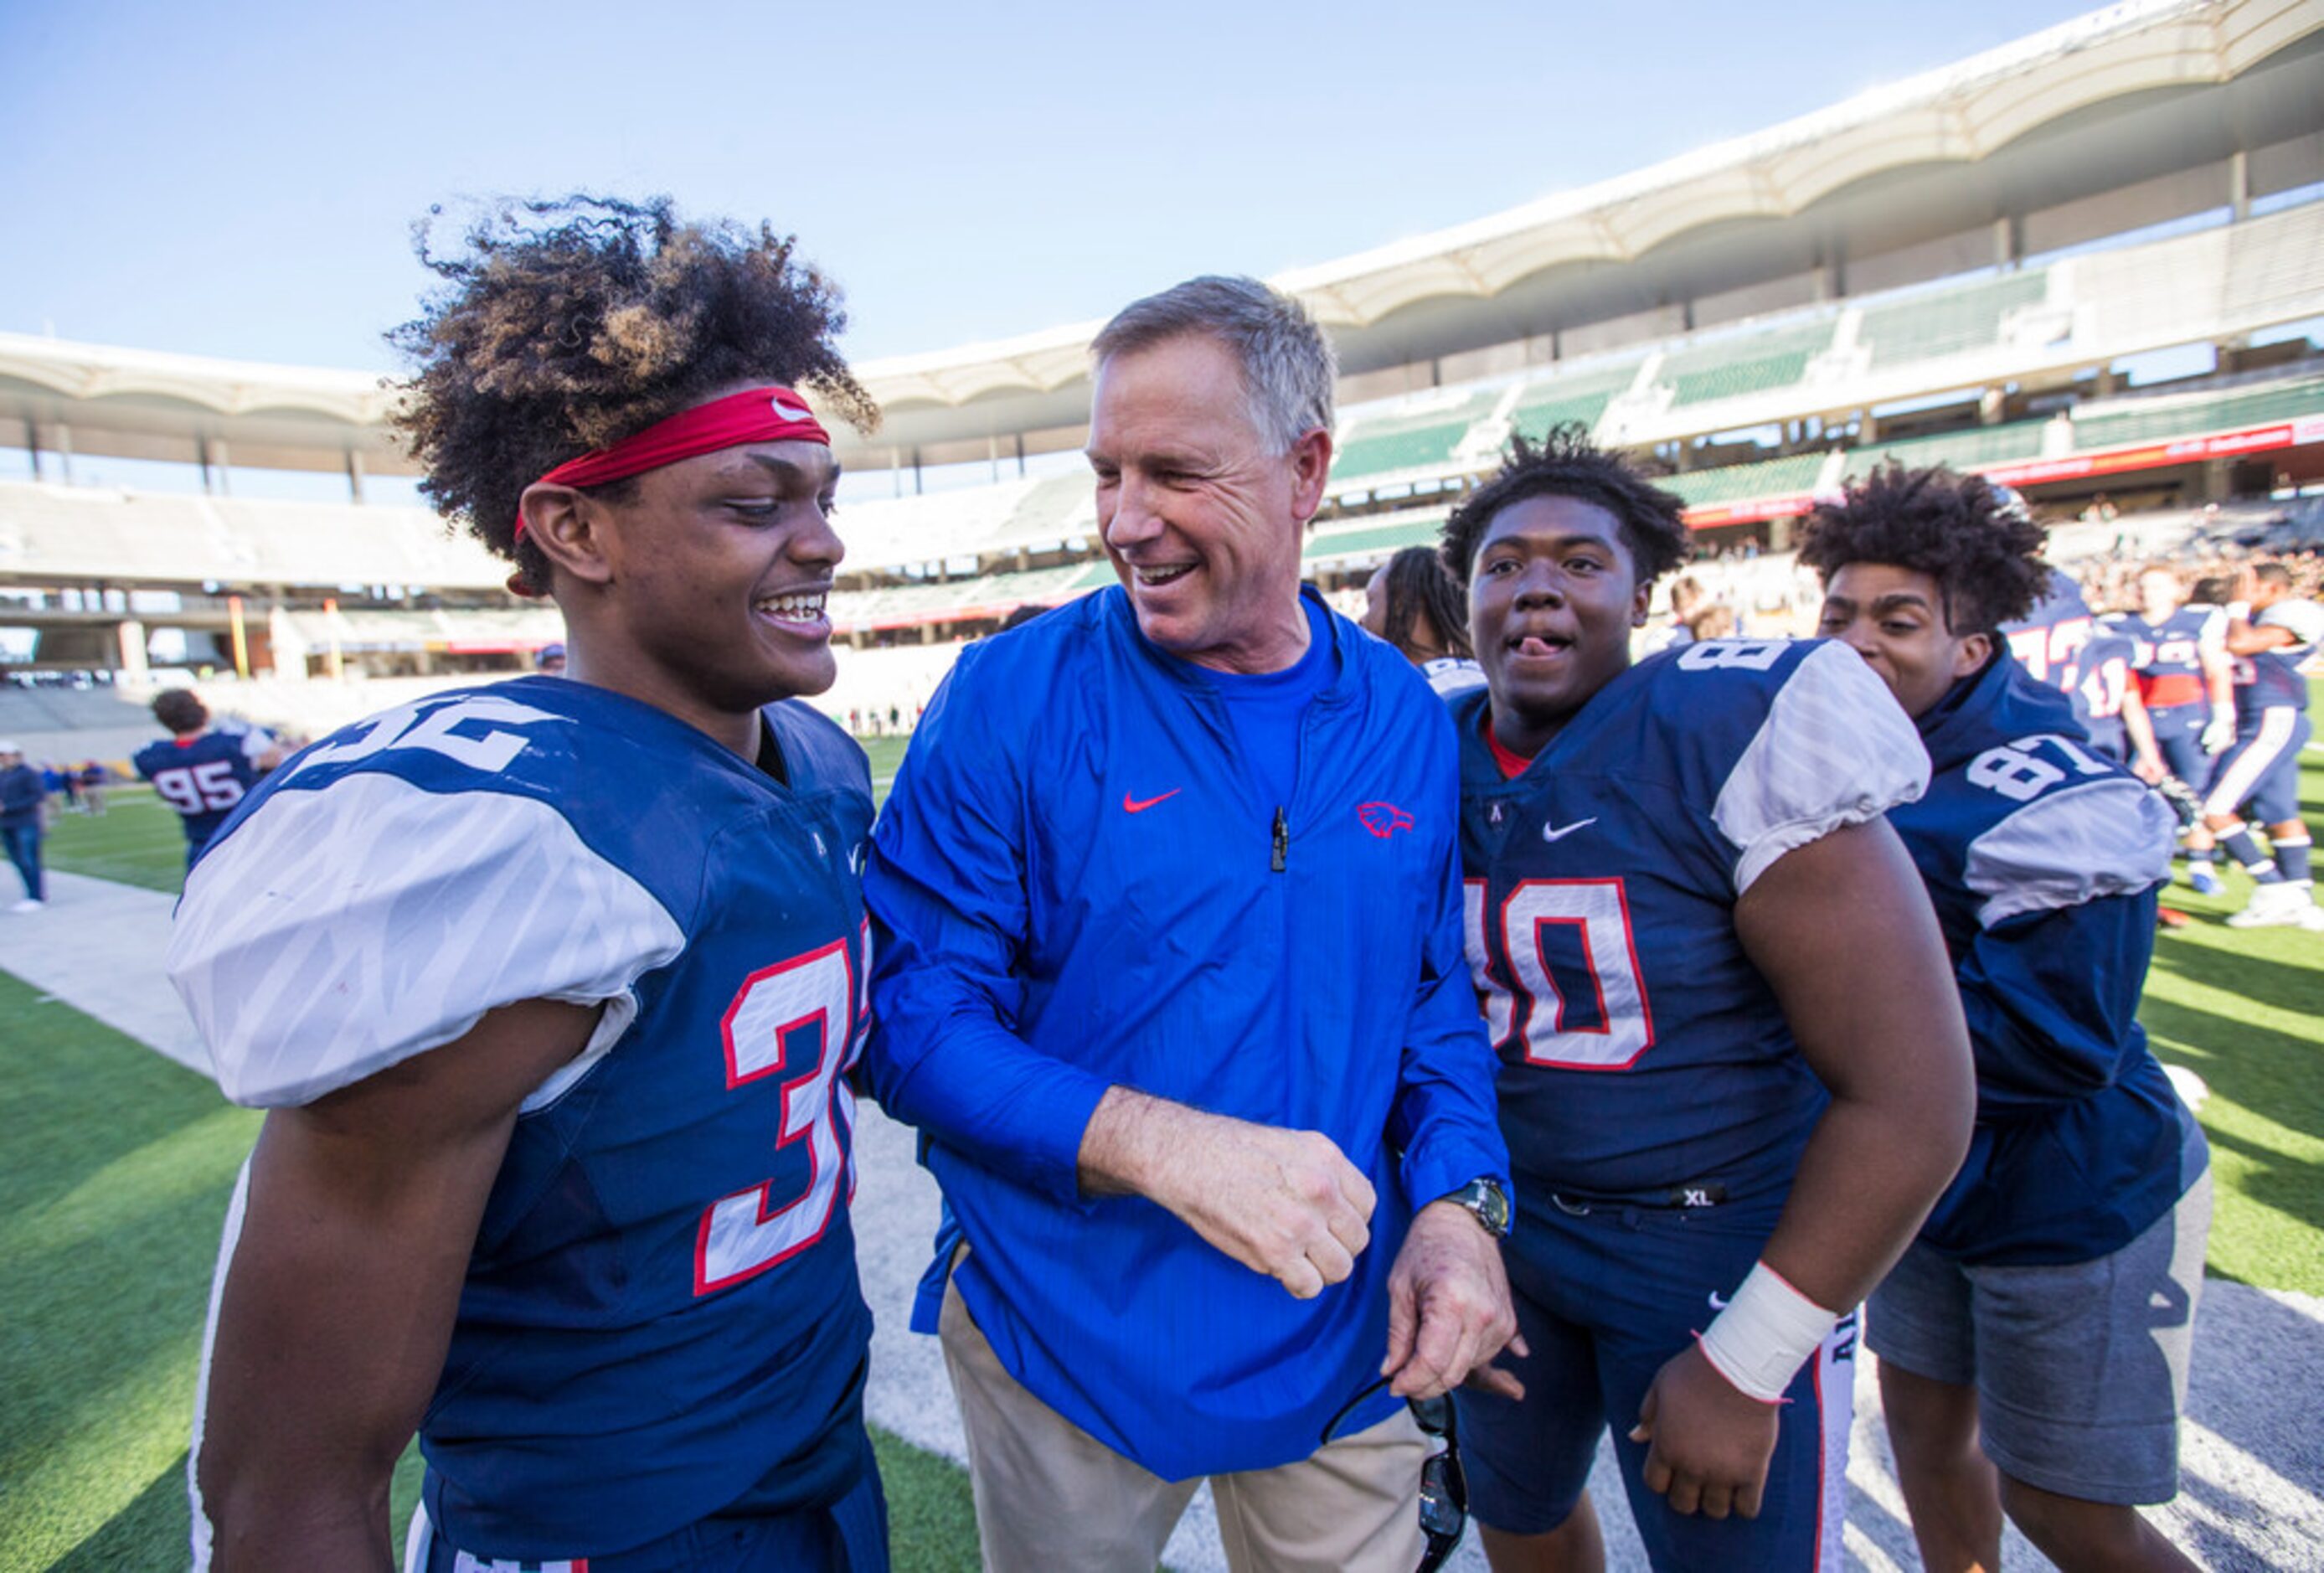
<point x="768" y="414"/>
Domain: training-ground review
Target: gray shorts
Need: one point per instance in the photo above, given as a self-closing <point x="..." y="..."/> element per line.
<point x="2081" y="1370"/>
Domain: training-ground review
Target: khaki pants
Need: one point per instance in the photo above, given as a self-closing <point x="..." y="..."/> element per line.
<point x="1051" y="1498"/>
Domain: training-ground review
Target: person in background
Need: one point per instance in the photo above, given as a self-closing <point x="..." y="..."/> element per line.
<point x="24" y="801"/>
<point x="1688" y="596"/>
<point x="1411" y="602"/>
<point x="2185" y="681"/>
<point x="550" y="662"/>
<point x="92" y="787"/>
<point x="2272" y="631"/>
<point x="202" y="773"/>
<point x="1710" y="623"/>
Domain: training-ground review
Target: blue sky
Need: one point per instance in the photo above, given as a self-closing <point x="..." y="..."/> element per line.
<point x="240" y="179"/>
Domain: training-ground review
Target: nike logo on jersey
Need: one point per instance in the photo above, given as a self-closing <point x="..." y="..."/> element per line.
<point x="1560" y="832"/>
<point x="1131" y="805"/>
<point x="1717" y="1300"/>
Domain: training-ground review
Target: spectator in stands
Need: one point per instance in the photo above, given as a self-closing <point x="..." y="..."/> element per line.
<point x="1412" y="602"/>
<point x="550" y="663"/>
<point x="23" y="802"/>
<point x="2034" y="1341"/>
<point x="547" y="987"/>
<point x="1169" y="972"/>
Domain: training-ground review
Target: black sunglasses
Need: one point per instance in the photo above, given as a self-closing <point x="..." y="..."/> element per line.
<point x="1443" y="1488"/>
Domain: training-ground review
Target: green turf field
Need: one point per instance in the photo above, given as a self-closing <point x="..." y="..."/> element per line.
<point x="115" y="1166"/>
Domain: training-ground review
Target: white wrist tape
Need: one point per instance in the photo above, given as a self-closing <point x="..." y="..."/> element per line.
<point x="1765" y="1334"/>
<point x="2239" y="611"/>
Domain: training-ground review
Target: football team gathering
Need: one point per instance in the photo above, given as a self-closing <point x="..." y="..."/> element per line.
<point x="1562" y="897"/>
<point x="1358" y="1091"/>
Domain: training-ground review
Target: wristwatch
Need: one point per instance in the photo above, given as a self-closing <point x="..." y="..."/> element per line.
<point x="1483" y="1199"/>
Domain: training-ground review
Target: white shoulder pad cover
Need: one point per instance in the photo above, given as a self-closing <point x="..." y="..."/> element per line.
<point x="2104" y="839"/>
<point x="339" y="932"/>
<point x="2305" y="619"/>
<point x="1836" y="749"/>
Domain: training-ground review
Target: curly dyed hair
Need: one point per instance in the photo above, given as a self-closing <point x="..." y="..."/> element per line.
<point x="1418" y="586"/>
<point x="1566" y="464"/>
<point x="1974" y="540"/>
<point x="567" y="325"/>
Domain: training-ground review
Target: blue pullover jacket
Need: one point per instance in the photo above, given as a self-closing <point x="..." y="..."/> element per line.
<point x="1075" y="883"/>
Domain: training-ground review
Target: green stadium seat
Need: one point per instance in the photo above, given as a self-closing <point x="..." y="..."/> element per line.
<point x="2223" y="411"/>
<point x="1739" y="483"/>
<point x="1981" y="445"/>
<point x="1948" y="322"/>
<point x="1748" y="363"/>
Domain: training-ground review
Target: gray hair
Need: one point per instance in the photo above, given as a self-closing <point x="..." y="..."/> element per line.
<point x="1287" y="364"/>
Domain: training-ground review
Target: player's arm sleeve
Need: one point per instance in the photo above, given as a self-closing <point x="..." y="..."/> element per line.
<point x="1834" y="749"/>
<point x="2050" y="983"/>
<point x="2211" y="639"/>
<point x="339" y="932"/>
<point x="1446" y="1120"/>
<point x="2303" y="620"/>
<point x="945" y="889"/>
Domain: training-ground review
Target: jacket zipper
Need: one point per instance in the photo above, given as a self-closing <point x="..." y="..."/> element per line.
<point x="1282" y="841"/>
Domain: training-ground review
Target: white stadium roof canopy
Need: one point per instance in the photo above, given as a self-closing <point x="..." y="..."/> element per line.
<point x="2142" y="103"/>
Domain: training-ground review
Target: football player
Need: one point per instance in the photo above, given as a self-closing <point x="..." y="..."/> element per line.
<point x="547" y="987"/>
<point x="1678" y="879"/>
<point x="1411" y="602"/>
<point x="2184" y="681"/>
<point x="202" y="773"/>
<point x="2272" y="630"/>
<point x="2100" y="684"/>
<point x="2034" y="1341"/>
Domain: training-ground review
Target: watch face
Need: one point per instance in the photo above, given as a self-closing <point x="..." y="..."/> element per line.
<point x="1496" y="1208"/>
<point x="1488" y="1202"/>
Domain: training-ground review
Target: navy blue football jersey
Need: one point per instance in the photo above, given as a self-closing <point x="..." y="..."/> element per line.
<point x="2045" y="639"/>
<point x="1641" y="1051"/>
<point x="2097" y="679"/>
<point x="204" y="777"/>
<point x="2272" y="679"/>
<point x="2170" y="664"/>
<point x="661" y="1317"/>
<point x="2043" y="860"/>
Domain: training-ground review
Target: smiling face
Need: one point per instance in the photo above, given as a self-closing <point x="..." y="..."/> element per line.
<point x="704" y="590"/>
<point x="1553" y="596"/>
<point x="1894" y="618"/>
<point x="1201" y="521"/>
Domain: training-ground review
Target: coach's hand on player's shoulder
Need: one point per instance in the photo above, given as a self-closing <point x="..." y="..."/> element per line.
<point x="1709" y="1443"/>
<point x="1285" y="1203"/>
<point x="1448" y="1309"/>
